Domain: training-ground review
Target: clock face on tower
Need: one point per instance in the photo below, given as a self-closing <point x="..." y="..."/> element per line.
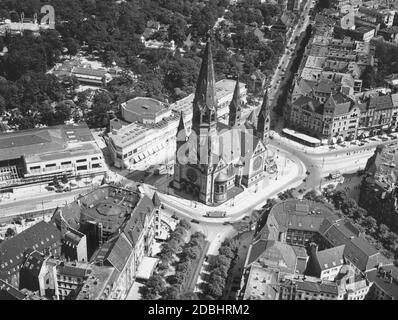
<point x="192" y="175"/>
<point x="257" y="163"/>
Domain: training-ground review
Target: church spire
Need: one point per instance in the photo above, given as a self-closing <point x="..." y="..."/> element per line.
<point x="204" y="102"/>
<point x="181" y="132"/>
<point x="263" y="123"/>
<point x="235" y="107"/>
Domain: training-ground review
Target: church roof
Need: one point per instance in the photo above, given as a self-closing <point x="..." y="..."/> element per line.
<point x="205" y="94"/>
<point x="222" y="177"/>
<point x="235" y="106"/>
<point x="264" y="113"/>
<point x="251" y="120"/>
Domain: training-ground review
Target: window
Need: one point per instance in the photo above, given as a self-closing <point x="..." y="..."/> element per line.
<point x="81" y="167"/>
<point x="35" y="168"/>
<point x="65" y="163"/>
<point x="81" y="160"/>
<point x="51" y="165"/>
<point x="96" y="165"/>
<point x="94" y="158"/>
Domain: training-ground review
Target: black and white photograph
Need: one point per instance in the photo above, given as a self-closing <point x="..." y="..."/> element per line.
<point x="207" y="152"/>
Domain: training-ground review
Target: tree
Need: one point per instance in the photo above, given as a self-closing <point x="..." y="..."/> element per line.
<point x="10" y="233"/>
<point x="177" y="30"/>
<point x="221" y="260"/>
<point x="184" y="224"/>
<point x="71" y="45"/>
<point x="227" y="252"/>
<point x="189" y="296"/>
<point x="215" y="287"/>
<point x="56" y="182"/>
<point x="383" y="232"/>
<point x="101" y="106"/>
<point x="369" y="77"/>
<point x="370" y="224"/>
<point x="177" y="278"/>
<point x="27" y="122"/>
<point x="63" y="111"/>
<point x="171" y="293"/>
<point x="156" y="284"/>
<point x="64" y="179"/>
<point x="191" y="253"/>
<point x="221" y="271"/>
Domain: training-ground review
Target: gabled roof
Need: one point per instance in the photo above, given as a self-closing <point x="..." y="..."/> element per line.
<point x="136" y="224"/>
<point x="40" y="236"/>
<point x="309" y="103"/>
<point x="380" y="102"/>
<point x="9" y="292"/>
<point x="119" y="253"/>
<point x="331" y="258"/>
<point x="156" y="200"/>
<point x="357" y="250"/>
<point x="386" y="278"/>
<point x="273" y="254"/>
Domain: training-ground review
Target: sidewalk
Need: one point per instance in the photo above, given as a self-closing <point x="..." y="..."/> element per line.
<point x="293" y="171"/>
<point x="326" y="149"/>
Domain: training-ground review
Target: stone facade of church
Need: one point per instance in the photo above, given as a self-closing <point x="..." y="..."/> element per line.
<point x="216" y="160"/>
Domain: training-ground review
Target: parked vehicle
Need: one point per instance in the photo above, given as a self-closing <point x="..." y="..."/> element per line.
<point x="216" y="214"/>
<point x="195" y="221"/>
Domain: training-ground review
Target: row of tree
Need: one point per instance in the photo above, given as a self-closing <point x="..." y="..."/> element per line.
<point x="183" y="256"/>
<point x="186" y="266"/>
<point x="219" y="270"/>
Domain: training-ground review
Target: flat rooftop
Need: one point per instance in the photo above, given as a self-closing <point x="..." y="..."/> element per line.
<point x="52" y="142"/>
<point x="145" y="106"/>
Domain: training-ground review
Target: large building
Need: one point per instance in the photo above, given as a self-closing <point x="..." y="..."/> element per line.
<point x="42" y="237"/>
<point x="215" y="160"/>
<point x="340" y="270"/>
<point x="37" y="155"/>
<point x="328" y="100"/>
<point x="91" y="249"/>
<point x="120" y="226"/>
<point x="146" y="134"/>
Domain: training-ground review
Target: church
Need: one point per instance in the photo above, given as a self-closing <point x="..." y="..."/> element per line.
<point x="215" y="161"/>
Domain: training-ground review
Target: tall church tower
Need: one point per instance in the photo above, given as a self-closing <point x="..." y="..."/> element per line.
<point x="181" y="154"/>
<point x="235" y="107"/>
<point x="204" y="118"/>
<point x="263" y="123"/>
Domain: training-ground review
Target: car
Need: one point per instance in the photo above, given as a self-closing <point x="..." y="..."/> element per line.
<point x="225" y="223"/>
<point x="195" y="221"/>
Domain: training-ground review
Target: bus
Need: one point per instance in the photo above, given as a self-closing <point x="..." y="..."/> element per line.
<point x="216" y="214"/>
